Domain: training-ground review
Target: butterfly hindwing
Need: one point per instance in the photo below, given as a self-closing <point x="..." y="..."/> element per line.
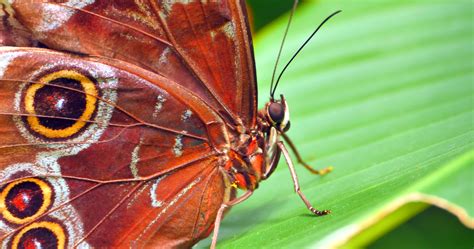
<point x="91" y="163"/>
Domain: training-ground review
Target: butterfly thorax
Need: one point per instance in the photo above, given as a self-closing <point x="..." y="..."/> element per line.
<point x="256" y="155"/>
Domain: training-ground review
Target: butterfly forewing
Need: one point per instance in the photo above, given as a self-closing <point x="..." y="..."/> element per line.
<point x="203" y="45"/>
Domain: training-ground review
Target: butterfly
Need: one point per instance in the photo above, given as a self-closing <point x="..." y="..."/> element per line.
<point x="130" y="123"/>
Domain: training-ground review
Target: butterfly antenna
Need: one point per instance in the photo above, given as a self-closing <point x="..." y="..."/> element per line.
<point x="295" y="3"/>
<point x="272" y="91"/>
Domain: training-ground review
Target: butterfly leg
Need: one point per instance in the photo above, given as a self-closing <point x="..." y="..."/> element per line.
<point x="302" y="162"/>
<point x="296" y="183"/>
<point x="220" y="214"/>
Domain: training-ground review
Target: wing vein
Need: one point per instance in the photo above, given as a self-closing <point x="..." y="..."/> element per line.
<point x="196" y="220"/>
<point x="97" y="185"/>
<point x="129" y="193"/>
<point x="194" y="71"/>
<point x="140" y="121"/>
<point x="117" y="22"/>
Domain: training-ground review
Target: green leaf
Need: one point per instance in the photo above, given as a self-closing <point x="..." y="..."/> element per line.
<point x="384" y="93"/>
<point x="262" y="15"/>
<point x="421" y="232"/>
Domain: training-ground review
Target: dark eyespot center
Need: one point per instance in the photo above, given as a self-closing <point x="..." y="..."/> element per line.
<point x="60" y="104"/>
<point x="24" y="200"/>
<point x="276" y="112"/>
<point x="56" y="101"/>
<point x="38" y="238"/>
<point x="43" y="234"/>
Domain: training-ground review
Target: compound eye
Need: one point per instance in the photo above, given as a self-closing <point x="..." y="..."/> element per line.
<point x="276" y="111"/>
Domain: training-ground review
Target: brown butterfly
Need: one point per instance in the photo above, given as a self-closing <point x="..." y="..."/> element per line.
<point x="130" y="123"/>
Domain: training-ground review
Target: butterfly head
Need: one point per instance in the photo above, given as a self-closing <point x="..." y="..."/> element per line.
<point x="278" y="114"/>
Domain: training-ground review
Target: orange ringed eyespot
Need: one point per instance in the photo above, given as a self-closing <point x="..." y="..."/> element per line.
<point x="60" y="105"/>
<point x="24" y="200"/>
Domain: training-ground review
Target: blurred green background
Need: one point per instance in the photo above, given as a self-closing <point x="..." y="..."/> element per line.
<point x="384" y="93"/>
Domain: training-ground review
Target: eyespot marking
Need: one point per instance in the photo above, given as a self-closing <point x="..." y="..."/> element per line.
<point x="40" y="235"/>
<point x="68" y="99"/>
<point x="23" y="201"/>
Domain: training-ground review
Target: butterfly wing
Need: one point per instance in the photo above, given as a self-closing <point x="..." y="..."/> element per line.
<point x="203" y="45"/>
<point x="12" y="33"/>
<point x="93" y="171"/>
<point x="187" y="77"/>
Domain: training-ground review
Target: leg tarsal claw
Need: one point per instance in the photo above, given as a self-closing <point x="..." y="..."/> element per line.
<point x="320" y="172"/>
<point x="319" y="213"/>
<point x="296" y="183"/>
